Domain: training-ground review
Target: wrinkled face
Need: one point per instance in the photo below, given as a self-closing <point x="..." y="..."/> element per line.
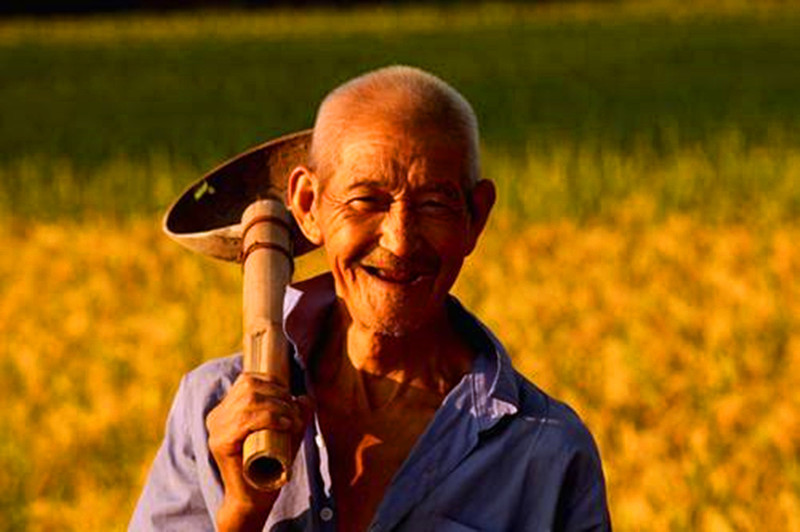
<point x="395" y="222"/>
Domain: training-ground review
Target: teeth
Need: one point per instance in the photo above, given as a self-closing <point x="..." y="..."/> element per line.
<point x="398" y="276"/>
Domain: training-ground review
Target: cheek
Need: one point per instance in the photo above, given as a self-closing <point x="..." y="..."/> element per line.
<point x="449" y="242"/>
<point x="346" y="241"/>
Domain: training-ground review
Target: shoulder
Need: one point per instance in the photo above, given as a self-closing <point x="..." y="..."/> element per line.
<point x="215" y="371"/>
<point x="565" y="443"/>
<point x="539" y="418"/>
<point x="565" y="454"/>
<point x="558" y="424"/>
<point x="183" y="489"/>
<point x="207" y="384"/>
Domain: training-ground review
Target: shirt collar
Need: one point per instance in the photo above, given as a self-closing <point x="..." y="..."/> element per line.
<point x="306" y="307"/>
<point x="494" y="384"/>
<point x="495" y="389"/>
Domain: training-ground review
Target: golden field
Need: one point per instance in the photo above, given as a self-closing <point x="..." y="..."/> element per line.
<point x="677" y="341"/>
<point x="643" y="264"/>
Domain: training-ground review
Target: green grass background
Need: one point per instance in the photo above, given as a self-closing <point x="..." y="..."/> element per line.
<point x="113" y="115"/>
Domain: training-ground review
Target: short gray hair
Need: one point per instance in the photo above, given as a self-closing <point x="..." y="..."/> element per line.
<point x="432" y="101"/>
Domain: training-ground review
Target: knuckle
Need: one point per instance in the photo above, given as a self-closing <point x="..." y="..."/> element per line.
<point x="249" y="418"/>
<point x="264" y="385"/>
<point x="256" y="420"/>
<point x="211" y="419"/>
<point x="247" y="382"/>
<point x="213" y="445"/>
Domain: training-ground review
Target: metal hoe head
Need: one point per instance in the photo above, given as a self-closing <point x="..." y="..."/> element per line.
<point x="207" y="216"/>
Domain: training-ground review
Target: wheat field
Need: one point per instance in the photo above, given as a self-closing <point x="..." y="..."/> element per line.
<point x="642" y="262"/>
<point x="677" y="341"/>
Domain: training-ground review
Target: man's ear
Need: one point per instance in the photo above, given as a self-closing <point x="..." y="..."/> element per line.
<point x="302" y="195"/>
<point x="481" y="200"/>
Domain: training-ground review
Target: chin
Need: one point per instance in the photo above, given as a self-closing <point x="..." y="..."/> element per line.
<point x="394" y="324"/>
<point x="394" y="309"/>
<point x="395" y="329"/>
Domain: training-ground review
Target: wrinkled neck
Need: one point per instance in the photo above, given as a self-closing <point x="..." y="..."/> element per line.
<point x="433" y="357"/>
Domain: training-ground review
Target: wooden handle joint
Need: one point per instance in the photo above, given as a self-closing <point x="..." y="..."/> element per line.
<point x="266" y="245"/>
<point x="267" y="268"/>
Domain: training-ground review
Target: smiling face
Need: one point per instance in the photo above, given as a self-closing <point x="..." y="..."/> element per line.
<point x="396" y="218"/>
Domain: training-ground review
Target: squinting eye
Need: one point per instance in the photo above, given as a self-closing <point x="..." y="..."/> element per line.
<point x="366" y="203"/>
<point x="434" y="206"/>
<point x="437" y="207"/>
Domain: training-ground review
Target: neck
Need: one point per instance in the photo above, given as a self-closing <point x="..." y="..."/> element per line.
<point x="433" y="357"/>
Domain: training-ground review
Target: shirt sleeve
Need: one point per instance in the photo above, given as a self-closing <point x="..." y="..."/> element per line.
<point x="582" y="504"/>
<point x="172" y="499"/>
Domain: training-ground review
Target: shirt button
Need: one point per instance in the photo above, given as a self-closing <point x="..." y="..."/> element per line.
<point x="326" y="514"/>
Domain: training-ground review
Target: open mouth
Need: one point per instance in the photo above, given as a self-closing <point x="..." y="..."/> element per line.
<point x="395" y="276"/>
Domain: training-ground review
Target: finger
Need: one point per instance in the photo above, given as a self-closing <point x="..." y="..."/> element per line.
<point x="255" y="420"/>
<point x="234" y="418"/>
<point x="303" y="411"/>
<point x="263" y="378"/>
<point x="285" y="407"/>
<point x="305" y="406"/>
<point x="262" y="384"/>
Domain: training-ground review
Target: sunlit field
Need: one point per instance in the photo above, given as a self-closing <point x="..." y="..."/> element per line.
<point x="679" y="343"/>
<point x="642" y="263"/>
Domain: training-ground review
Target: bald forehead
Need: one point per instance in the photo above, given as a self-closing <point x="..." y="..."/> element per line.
<point x="400" y="99"/>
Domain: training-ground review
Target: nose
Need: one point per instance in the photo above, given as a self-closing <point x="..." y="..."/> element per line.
<point x="399" y="230"/>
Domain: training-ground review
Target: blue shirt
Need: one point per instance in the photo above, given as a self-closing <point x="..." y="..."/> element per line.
<point x="498" y="455"/>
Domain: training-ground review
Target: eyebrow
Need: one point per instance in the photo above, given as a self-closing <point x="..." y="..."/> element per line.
<point x="366" y="182"/>
<point x="448" y="190"/>
<point x="443" y="188"/>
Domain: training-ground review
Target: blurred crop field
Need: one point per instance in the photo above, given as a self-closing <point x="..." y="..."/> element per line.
<point x="642" y="263"/>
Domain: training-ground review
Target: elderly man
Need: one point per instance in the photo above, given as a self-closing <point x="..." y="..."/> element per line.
<point x="410" y="415"/>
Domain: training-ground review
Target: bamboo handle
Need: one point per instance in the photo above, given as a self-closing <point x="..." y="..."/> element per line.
<point x="267" y="267"/>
